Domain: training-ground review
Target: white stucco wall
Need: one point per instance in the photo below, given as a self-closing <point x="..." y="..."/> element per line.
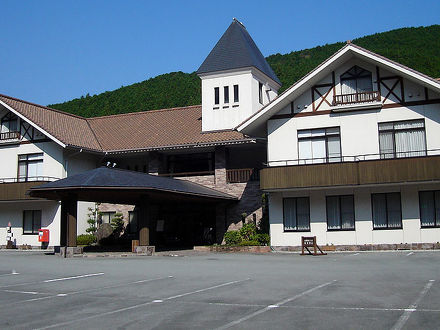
<point x="363" y="233"/>
<point x="229" y="115"/>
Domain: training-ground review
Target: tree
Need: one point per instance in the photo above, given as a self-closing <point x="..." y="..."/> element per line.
<point x="92" y="217"/>
<point x="117" y="224"/>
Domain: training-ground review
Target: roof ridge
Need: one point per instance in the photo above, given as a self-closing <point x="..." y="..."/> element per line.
<point x="93" y="132"/>
<point x="42" y="106"/>
<point x="145" y="111"/>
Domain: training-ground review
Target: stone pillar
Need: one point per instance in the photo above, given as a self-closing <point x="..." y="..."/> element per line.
<point x="220" y="167"/>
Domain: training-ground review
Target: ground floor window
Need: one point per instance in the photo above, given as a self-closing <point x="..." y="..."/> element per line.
<point x="296" y="214"/>
<point x="106" y="217"/>
<point x="429" y="208"/>
<point x="340" y="212"/>
<point x="386" y="211"/>
<point x="31" y="221"/>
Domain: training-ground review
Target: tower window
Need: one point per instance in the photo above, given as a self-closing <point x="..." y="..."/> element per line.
<point x="226" y="94"/>
<point x="216" y="95"/>
<point x="235" y="93"/>
<point x="260" y="92"/>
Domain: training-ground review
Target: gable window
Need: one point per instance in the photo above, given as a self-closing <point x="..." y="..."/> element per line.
<point x="31" y="221"/>
<point x="340" y="212"/>
<point x="216" y="95"/>
<point x="260" y="92"/>
<point x="30" y="167"/>
<point x="226" y="94"/>
<point x="429" y="208"/>
<point x="402" y="139"/>
<point x="356" y="80"/>
<point x="235" y="93"/>
<point x="296" y="214"/>
<point x="322" y="145"/>
<point x="9" y="127"/>
<point x="386" y="211"/>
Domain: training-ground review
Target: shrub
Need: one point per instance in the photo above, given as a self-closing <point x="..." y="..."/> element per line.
<point x="248" y="231"/>
<point x="232" y="237"/>
<point x="263" y="239"/>
<point x="85" y="239"/>
<point x="117" y="224"/>
<point x="249" y="243"/>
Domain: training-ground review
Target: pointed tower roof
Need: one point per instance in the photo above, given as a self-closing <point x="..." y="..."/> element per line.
<point x="234" y="50"/>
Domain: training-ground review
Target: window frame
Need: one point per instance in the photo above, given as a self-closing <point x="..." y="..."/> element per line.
<point x="6" y="121"/>
<point x="326" y="136"/>
<point x="216" y="95"/>
<point x="236" y="97"/>
<point x="226" y="94"/>
<point x="436" y="220"/>
<point x="111" y="213"/>
<point x="393" y="131"/>
<point x="27" y="162"/>
<point x="340" y="213"/>
<point x="386" y="211"/>
<point x="33" y="222"/>
<point x="260" y="92"/>
<point x="296" y="208"/>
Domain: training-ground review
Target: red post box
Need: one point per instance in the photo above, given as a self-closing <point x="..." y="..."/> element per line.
<point x="43" y="235"/>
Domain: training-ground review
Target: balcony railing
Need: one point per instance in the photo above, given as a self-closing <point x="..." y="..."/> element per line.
<point x="39" y="178"/>
<point x="9" y="136"/>
<point x="362" y="97"/>
<point x="242" y="175"/>
<point x="352" y="170"/>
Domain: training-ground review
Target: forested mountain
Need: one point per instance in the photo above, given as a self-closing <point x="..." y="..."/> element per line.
<point x="417" y="48"/>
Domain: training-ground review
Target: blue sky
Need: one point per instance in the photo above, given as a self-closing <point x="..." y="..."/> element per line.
<point x="53" y="51"/>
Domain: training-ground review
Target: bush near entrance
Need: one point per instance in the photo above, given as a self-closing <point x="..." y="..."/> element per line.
<point x="85" y="239"/>
<point x="246" y="236"/>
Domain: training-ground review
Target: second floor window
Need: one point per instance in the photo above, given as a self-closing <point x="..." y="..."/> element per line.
<point x="322" y="145"/>
<point x="402" y="139"/>
<point x="30" y="167"/>
<point x="356" y="80"/>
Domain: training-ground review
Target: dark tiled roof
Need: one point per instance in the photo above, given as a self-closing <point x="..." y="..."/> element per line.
<point x="234" y="50"/>
<point x="157" y="129"/>
<point x="107" y="178"/>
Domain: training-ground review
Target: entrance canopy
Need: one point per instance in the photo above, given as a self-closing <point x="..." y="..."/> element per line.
<point x="110" y="185"/>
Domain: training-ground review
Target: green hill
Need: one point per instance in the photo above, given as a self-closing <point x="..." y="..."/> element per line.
<point x="417" y="48"/>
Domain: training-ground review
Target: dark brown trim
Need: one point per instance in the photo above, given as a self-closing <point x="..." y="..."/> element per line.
<point x="426" y="94"/>
<point x="305" y="114"/>
<point x="411" y="103"/>
<point x="334" y="83"/>
<point x="378" y="80"/>
<point x="292" y="108"/>
<point x="402" y="90"/>
<point x="313" y="99"/>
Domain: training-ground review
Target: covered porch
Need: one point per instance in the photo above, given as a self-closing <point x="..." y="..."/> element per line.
<point x="184" y="203"/>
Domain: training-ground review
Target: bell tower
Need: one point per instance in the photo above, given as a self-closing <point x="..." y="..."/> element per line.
<point x="236" y="79"/>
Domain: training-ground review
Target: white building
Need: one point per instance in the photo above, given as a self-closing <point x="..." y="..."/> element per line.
<point x="353" y="154"/>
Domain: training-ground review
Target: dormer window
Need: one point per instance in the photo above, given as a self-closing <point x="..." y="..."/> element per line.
<point x="356" y="87"/>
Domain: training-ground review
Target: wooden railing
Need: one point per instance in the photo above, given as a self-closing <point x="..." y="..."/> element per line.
<point x="10" y="136"/>
<point x="242" y="175"/>
<point x="362" y="97"/>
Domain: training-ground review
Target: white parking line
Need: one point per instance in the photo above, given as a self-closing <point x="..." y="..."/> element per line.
<point x="412" y="308"/>
<point x="354" y="254"/>
<point x="12" y="273"/>
<point x="140" y="305"/>
<point x="410" y="253"/>
<point x="73" y="277"/>
<point x="25" y="292"/>
<point x="52" y="295"/>
<point x="272" y="306"/>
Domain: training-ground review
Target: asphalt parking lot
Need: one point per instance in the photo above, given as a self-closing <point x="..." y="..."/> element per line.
<point x="383" y="290"/>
